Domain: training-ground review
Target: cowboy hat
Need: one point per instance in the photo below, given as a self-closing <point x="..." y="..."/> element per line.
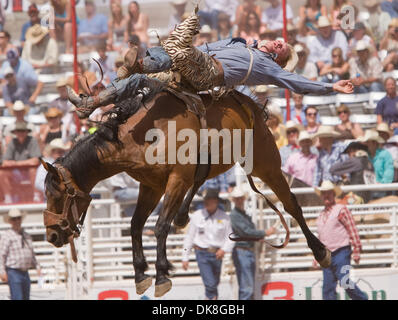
<point x="179" y="2"/>
<point x="356" y="146"/>
<point x="57" y="144"/>
<point x="261" y="88"/>
<point x="53" y="113"/>
<point x="361" y="46"/>
<point x="275" y="110"/>
<point x="327" y="186"/>
<point x="21" y="126"/>
<point x="304" y="135"/>
<point x="323" y="22"/>
<point x="211" y="194"/>
<point x="238" y="193"/>
<point x="8" y="70"/>
<point x="383" y="127"/>
<point x="19" y="106"/>
<point x="371" y="135"/>
<point x="36" y="33"/>
<point x="326" y="132"/>
<point x="293" y="60"/>
<point x="205" y="29"/>
<point x="13" y="213"/>
<point x="291" y="125"/>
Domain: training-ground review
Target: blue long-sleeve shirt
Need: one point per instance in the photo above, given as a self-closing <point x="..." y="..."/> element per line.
<point x="243" y="226"/>
<point x="235" y="60"/>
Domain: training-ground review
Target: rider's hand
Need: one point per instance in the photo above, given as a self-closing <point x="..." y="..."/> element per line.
<point x="343" y="86"/>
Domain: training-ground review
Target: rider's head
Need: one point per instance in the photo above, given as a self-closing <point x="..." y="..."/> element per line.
<point x="286" y="57"/>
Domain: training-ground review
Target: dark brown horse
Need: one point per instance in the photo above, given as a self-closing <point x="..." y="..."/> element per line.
<point x="120" y="145"/>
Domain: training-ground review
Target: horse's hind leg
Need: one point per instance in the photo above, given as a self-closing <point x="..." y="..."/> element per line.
<point x="174" y="195"/>
<point x="147" y="201"/>
<point x="276" y="181"/>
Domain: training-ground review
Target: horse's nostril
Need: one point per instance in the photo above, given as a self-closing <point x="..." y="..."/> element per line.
<point x="53" y="237"/>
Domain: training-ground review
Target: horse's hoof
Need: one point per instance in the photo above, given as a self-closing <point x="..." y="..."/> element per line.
<point x="327" y="260"/>
<point x="163" y="288"/>
<point x="181" y="224"/>
<point x="142" y="286"/>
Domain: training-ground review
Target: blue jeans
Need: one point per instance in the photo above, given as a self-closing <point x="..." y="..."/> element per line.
<point x="374" y="87"/>
<point x="124" y="195"/>
<point x="157" y="60"/>
<point x="210" y="271"/>
<point x="19" y="283"/>
<point x="245" y="266"/>
<point x="341" y="258"/>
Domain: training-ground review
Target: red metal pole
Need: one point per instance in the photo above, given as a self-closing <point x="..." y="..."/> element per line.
<point x="285" y="36"/>
<point x="75" y="64"/>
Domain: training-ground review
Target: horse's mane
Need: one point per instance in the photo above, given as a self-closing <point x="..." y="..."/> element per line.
<point x="83" y="157"/>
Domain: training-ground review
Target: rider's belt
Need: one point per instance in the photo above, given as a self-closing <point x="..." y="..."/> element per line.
<point x="210" y="249"/>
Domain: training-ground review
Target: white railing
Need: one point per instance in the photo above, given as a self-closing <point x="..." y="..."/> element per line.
<point x="104" y="248"/>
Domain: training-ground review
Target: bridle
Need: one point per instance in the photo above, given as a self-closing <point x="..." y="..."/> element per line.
<point x="70" y="220"/>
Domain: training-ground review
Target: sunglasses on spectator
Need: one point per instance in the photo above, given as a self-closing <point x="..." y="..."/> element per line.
<point x="336" y="55"/>
<point x="310" y="114"/>
<point x="342" y="111"/>
<point x="15" y="219"/>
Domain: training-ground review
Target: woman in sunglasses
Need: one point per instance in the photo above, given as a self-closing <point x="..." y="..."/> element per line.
<point x="346" y="128"/>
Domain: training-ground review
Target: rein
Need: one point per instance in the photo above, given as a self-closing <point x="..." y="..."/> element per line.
<point x="70" y="220"/>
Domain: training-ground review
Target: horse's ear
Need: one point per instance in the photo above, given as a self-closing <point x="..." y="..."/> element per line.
<point x="49" y="168"/>
<point x="45" y="164"/>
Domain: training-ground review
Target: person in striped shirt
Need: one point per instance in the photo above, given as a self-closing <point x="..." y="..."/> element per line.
<point x="337" y="231"/>
<point x="17" y="257"/>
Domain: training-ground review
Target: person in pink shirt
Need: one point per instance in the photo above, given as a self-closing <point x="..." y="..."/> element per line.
<point x="301" y="165"/>
<point x="337" y="231"/>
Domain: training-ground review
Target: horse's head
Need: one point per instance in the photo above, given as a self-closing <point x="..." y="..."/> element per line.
<point x="66" y="206"/>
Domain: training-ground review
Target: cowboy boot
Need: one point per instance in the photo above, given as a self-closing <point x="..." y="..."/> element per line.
<point x="85" y="104"/>
<point x="130" y="65"/>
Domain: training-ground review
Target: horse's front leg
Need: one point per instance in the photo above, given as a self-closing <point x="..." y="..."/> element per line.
<point x="174" y="195"/>
<point x="148" y="198"/>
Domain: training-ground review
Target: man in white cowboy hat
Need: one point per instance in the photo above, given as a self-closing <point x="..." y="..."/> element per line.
<point x="227" y="63"/>
<point x="330" y="152"/>
<point x="292" y="133"/>
<point x="17" y="257"/>
<point x="19" y="111"/>
<point x="302" y="164"/>
<point x="40" y="50"/>
<point x="365" y="69"/>
<point x="381" y="159"/>
<point x="321" y="45"/>
<point x="23" y="151"/>
<point x="243" y="254"/>
<point x="55" y="149"/>
<point x="14" y="90"/>
<point x="337" y="231"/>
<point x="208" y="233"/>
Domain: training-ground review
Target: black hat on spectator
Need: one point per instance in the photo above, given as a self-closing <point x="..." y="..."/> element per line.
<point x="12" y="54"/>
<point x="211" y="194"/>
<point x="355" y="145"/>
<point x="359" y="26"/>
